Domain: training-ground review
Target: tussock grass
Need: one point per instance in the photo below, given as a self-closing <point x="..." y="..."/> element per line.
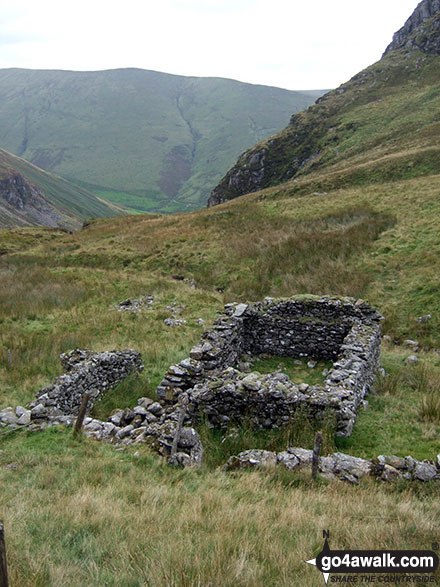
<point x="116" y="519"/>
<point x="38" y="327"/>
<point x="430" y="406"/>
<point x="426" y="381"/>
<point x="304" y="254"/>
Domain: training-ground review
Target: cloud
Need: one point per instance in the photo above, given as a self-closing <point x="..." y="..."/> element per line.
<point x="288" y="43"/>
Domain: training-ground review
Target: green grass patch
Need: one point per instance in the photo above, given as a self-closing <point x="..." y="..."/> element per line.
<point x="219" y="446"/>
<point x="123" y="395"/>
<point x="132" y="202"/>
<point x="399" y="419"/>
<point x="296" y="369"/>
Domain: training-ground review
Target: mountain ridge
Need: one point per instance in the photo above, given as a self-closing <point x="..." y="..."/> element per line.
<point x="145" y="139"/>
<point x="30" y="196"/>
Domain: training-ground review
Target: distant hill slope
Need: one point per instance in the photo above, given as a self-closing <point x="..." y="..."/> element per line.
<point x="30" y="196"/>
<point x="385" y="118"/>
<point x="150" y="140"/>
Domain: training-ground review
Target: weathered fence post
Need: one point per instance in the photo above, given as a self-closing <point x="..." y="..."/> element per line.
<point x="176" y="438"/>
<point x="3" y="566"/>
<point x="315" y="455"/>
<point x="9" y="359"/>
<point x="81" y="414"/>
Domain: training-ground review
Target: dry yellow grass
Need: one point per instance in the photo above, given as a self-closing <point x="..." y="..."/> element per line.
<point x="82" y="514"/>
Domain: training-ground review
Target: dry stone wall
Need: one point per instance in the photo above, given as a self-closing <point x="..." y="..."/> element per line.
<point x="339" y="465"/>
<point x="86" y="371"/>
<point x="96" y="373"/>
<point x="346" y="331"/>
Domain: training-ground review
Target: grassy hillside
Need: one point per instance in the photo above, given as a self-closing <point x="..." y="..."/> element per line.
<point x="65" y="204"/>
<point x="117" y="517"/>
<point x="152" y="140"/>
<point x="364" y="224"/>
<point x="386" y="117"/>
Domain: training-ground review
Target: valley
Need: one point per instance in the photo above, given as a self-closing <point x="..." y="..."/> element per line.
<point x="344" y="203"/>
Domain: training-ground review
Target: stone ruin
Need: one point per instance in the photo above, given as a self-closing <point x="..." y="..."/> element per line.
<point x="85" y="371"/>
<point x="211" y="386"/>
<point x="345" y="331"/>
<point x="97" y="373"/>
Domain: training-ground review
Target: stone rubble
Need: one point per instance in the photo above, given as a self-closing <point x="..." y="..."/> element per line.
<point x="425" y="318"/>
<point x="175" y="308"/>
<point x="411" y="360"/>
<point x="135" y="306"/>
<point x="174" y="322"/>
<point x="339" y="465"/>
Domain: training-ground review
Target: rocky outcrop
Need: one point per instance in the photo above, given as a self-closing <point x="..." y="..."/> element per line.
<point x="25" y="204"/>
<point x="339" y="465"/>
<point x="17" y="192"/>
<point x="272" y="162"/>
<point x="247" y="175"/>
<point x="311" y="139"/>
<point x="421" y="30"/>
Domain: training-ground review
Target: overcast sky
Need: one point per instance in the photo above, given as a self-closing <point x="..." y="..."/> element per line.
<point x="294" y="44"/>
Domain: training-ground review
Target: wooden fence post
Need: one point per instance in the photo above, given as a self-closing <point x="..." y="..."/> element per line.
<point x="3" y="566"/>
<point x="315" y="455"/>
<point x="81" y="414"/>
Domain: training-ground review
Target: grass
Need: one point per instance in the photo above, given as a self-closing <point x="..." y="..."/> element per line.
<point x="76" y="309"/>
<point x="134" y="204"/>
<point x="298" y="371"/>
<point x="79" y="512"/>
<point x="118" y="519"/>
<point x="138" y="138"/>
<point x="426" y="381"/>
<point x="300" y="433"/>
<point x="399" y="419"/>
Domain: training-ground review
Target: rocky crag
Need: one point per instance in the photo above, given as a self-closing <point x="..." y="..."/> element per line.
<point x="315" y="137"/>
<point x="22" y="203"/>
<point x="421" y="30"/>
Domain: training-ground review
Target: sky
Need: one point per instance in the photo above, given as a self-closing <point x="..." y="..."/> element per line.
<point x="293" y="44"/>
